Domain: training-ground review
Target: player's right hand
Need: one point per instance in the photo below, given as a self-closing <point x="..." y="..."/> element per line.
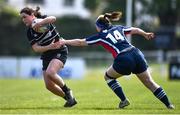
<point x="149" y="36"/>
<point x="61" y="42"/>
<point x="54" y="45"/>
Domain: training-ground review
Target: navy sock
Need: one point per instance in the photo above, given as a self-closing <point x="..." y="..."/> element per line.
<point x="114" y="85"/>
<point x="161" y="95"/>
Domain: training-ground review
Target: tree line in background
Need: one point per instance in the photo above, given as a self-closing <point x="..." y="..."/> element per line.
<point x="13" y="32"/>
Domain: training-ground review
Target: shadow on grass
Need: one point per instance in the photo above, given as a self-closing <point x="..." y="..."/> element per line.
<point x="127" y="108"/>
<point x="97" y="108"/>
<point x="53" y="108"/>
<point x="28" y="108"/>
<point x="76" y="107"/>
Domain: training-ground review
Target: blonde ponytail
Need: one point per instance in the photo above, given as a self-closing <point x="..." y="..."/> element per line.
<point x="114" y="16"/>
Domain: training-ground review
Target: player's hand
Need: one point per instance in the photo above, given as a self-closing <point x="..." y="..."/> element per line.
<point x="62" y="42"/>
<point x="54" y="45"/>
<point x="149" y="36"/>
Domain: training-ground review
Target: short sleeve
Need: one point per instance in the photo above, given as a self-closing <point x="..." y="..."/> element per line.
<point x="94" y="39"/>
<point x="126" y="30"/>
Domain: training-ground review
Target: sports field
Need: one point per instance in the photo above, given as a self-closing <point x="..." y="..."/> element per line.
<point x="29" y="96"/>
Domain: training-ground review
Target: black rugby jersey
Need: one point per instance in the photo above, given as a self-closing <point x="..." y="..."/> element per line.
<point x="45" y="38"/>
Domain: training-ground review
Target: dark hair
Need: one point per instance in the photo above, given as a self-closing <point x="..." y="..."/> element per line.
<point x="30" y="11"/>
<point x="105" y="19"/>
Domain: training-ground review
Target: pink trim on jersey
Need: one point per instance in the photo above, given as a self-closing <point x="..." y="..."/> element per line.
<point x="127" y="30"/>
<point x="109" y="48"/>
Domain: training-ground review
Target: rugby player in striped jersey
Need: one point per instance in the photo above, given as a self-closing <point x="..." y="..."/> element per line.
<point x="53" y="56"/>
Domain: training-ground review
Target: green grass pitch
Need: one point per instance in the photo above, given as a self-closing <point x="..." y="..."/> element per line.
<point x="29" y="96"/>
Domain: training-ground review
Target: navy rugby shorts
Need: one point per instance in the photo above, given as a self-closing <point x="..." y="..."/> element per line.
<point x="132" y="61"/>
<point x="60" y="54"/>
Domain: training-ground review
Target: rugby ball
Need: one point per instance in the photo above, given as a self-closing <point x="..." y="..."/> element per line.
<point x="42" y="29"/>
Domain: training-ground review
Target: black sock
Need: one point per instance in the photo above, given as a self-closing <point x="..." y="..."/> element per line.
<point x="115" y="86"/>
<point x="161" y="95"/>
<point x="65" y="88"/>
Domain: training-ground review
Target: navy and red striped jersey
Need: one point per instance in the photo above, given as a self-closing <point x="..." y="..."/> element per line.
<point x="112" y="39"/>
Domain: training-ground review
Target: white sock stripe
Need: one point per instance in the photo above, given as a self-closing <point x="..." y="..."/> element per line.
<point x="161" y="97"/>
<point x="160" y="93"/>
<point x="109" y="80"/>
<point x="115" y="88"/>
<point x="114" y="85"/>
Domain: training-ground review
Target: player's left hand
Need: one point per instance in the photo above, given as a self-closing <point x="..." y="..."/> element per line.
<point x="149" y="36"/>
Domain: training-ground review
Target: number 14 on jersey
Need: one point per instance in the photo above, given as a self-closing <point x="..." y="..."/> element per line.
<point x="115" y="37"/>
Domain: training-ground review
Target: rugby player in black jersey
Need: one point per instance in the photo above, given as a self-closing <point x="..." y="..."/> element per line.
<point x="53" y="56"/>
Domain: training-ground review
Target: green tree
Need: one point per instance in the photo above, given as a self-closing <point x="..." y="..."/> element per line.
<point x="12" y="40"/>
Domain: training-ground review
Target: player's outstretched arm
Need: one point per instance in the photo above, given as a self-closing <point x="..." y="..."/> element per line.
<point x="147" y="35"/>
<point x="74" y="42"/>
<point x="47" y="20"/>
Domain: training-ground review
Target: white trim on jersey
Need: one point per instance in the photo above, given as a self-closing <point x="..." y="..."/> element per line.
<point x="93" y="41"/>
<point x="45" y="41"/>
<point x="126" y="29"/>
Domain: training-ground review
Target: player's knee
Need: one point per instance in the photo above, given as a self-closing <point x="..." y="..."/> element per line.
<point x="48" y="86"/>
<point x="107" y="77"/>
<point x="50" y="72"/>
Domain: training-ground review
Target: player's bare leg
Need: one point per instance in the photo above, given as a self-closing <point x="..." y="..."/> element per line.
<point x="54" y="66"/>
<point x="147" y="80"/>
<point x="51" y="86"/>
